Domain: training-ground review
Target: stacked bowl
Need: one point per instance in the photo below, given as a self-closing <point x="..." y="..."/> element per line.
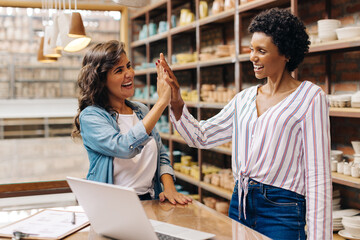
<point x="348" y="32"/>
<point x="352" y="225"/>
<point x="355" y="100"/>
<point x="339" y="215"/>
<point x="327" y="29"/>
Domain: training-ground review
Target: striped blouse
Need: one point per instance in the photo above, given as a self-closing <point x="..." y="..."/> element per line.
<point x="288" y="146"/>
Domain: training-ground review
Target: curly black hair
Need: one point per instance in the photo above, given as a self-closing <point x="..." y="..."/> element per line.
<point x="287" y="32"/>
<point x="92" y="77"/>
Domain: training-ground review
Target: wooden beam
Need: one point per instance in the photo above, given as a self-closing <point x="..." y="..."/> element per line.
<point x="80" y="6"/>
<point x="124" y="29"/>
<point x="33" y="188"/>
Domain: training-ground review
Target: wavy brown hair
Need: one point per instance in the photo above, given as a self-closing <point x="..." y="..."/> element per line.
<point x="92" y="77"/>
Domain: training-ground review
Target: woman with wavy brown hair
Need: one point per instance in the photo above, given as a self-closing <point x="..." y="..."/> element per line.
<point x="123" y="146"/>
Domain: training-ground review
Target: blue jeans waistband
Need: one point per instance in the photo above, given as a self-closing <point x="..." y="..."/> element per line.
<point x="258" y="185"/>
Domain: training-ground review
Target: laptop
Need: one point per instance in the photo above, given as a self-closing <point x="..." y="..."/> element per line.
<point x="116" y="212"/>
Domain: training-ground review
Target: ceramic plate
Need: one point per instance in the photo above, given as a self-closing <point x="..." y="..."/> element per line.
<point x="345" y="212"/>
<point x="347" y="235"/>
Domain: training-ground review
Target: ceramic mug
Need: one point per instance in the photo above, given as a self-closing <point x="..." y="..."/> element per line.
<point x="173" y="21"/>
<point x="334" y="165"/>
<point x="183" y="16"/>
<point x="229" y="4"/>
<point x="355" y="171"/>
<point x="340" y="167"/>
<point x="218" y="6"/>
<point x="347" y="169"/>
<point x="152" y="29"/>
<point x="203" y="9"/>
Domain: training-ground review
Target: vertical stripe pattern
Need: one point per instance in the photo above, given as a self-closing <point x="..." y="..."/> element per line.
<point x="288" y="146"/>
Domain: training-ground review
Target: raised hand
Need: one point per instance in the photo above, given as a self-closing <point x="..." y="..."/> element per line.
<point x="163" y="88"/>
<point x="176" y="102"/>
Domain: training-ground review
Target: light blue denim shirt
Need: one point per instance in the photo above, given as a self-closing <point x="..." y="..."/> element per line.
<point x="103" y="141"/>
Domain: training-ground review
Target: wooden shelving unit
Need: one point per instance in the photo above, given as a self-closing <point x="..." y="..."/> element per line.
<point x="233" y="16"/>
<point x="345" y="112"/>
<point x="345" y="180"/>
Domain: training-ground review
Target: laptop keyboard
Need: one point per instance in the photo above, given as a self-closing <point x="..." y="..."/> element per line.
<point x="162" y="236"/>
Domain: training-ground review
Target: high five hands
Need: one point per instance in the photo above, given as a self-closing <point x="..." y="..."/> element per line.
<point x="176" y="101"/>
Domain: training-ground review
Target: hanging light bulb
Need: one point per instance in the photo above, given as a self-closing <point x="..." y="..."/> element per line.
<point x="41" y="57"/>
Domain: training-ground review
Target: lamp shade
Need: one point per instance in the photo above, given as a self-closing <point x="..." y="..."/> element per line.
<point x="67" y="43"/>
<point x="132" y="3"/>
<point x="49" y="51"/>
<point x="41" y="57"/>
<point x="77" y="28"/>
<point x="77" y="44"/>
<point x="54" y="42"/>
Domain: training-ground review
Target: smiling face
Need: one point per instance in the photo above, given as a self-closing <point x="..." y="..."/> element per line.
<point x="120" y="80"/>
<point x="265" y="56"/>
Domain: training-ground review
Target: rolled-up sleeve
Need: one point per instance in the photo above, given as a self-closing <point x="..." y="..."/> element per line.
<point x="206" y="133"/>
<point x="99" y="135"/>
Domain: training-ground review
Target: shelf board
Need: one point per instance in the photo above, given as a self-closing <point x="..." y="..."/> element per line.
<point x="36" y="81"/>
<point x="154" y="38"/>
<point x="178" y="139"/>
<point x="217" y="61"/>
<point x="102" y="31"/>
<point x="148" y="8"/>
<point x="222" y="150"/>
<point x="244" y="57"/>
<point x="165" y="136"/>
<point x="211" y="105"/>
<point x="217" y="190"/>
<point x="220" y="17"/>
<point x="260" y="4"/>
<point x="180" y="29"/>
<point x="345" y="112"/>
<point x="185" y="66"/>
<point x="145" y="71"/>
<point x="345" y="180"/>
<point x="187" y="178"/>
<point x="335" y="45"/>
<point x="192" y="104"/>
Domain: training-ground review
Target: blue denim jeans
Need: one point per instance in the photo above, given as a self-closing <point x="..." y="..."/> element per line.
<point x="272" y="211"/>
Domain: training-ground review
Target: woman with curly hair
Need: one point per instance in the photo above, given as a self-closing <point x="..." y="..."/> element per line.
<point x="123" y="146"/>
<point x="280" y="136"/>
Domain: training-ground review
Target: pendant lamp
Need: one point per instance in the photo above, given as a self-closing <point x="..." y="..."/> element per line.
<point x="132" y="3"/>
<point x="48" y="50"/>
<point x="41" y="57"/>
<point x="77" y="32"/>
<point x="67" y="43"/>
<point x="77" y="28"/>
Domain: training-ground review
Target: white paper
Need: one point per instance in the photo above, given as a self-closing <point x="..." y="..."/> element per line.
<point x="47" y="224"/>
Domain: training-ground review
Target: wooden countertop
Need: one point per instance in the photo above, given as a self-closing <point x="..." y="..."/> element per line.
<point x="196" y="216"/>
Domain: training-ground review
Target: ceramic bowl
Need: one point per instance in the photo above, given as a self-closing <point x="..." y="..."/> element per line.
<point x="348" y="32"/>
<point x="354" y="220"/>
<point x="337" y="155"/>
<point x="353" y="229"/>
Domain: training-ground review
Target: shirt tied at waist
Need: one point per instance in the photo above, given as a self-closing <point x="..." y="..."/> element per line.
<point x="243" y="191"/>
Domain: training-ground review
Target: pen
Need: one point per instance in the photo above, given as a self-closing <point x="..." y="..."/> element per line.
<point x="73" y="219"/>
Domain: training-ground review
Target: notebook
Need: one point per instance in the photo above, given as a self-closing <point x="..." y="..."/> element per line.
<point x="116" y="212"/>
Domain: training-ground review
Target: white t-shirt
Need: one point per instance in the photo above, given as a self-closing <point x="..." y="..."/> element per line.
<point x="136" y="172"/>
